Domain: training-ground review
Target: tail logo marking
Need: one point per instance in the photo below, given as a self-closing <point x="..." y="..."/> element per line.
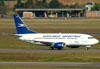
<point x="21" y="25"/>
<point x="17" y="16"/>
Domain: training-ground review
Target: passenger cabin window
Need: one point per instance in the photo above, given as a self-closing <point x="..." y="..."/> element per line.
<point x="90" y="38"/>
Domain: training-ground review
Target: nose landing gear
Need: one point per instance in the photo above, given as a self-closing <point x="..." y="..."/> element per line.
<point x="87" y="48"/>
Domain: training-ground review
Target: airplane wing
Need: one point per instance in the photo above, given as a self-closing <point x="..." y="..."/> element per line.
<point x="45" y="41"/>
<point x="49" y="42"/>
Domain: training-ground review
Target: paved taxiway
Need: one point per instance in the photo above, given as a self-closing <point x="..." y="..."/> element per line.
<point x="34" y="50"/>
<point x="51" y="63"/>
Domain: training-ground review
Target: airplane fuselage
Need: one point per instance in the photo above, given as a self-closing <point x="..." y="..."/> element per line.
<point x="67" y="38"/>
<point x="54" y="40"/>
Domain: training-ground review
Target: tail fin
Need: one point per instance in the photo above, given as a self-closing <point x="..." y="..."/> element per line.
<point x="20" y="26"/>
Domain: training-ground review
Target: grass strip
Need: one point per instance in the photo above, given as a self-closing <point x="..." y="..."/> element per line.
<point x="50" y="56"/>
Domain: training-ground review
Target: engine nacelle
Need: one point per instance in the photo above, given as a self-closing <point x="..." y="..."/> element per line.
<point x="59" y="45"/>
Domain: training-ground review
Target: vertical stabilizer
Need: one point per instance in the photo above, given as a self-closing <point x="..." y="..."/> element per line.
<point x="20" y="26"/>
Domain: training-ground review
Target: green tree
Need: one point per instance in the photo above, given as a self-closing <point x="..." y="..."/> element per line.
<point x="3" y="8"/>
<point x="96" y="7"/>
<point x="38" y="5"/>
<point x="44" y="3"/>
<point x="19" y="5"/>
<point x="76" y="5"/>
<point x="54" y="4"/>
<point x="18" y="1"/>
<point x="63" y="6"/>
<point x="29" y="4"/>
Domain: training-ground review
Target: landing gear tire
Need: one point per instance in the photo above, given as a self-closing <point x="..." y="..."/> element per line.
<point x="87" y="49"/>
<point x="51" y="48"/>
<point x="59" y="48"/>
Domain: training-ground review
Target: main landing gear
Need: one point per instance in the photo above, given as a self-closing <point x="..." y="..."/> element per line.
<point x="52" y="48"/>
<point x="87" y="48"/>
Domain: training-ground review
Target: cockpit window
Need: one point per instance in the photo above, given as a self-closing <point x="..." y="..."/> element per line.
<point x="90" y="38"/>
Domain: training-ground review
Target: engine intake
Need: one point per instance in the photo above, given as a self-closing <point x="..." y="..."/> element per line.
<point x="59" y="45"/>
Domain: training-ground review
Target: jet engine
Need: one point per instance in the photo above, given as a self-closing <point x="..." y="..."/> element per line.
<point x="59" y="45"/>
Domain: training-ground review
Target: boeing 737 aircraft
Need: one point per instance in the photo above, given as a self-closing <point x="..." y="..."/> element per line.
<point x="54" y="40"/>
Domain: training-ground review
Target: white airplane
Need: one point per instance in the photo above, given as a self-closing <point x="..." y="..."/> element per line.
<point x="54" y="40"/>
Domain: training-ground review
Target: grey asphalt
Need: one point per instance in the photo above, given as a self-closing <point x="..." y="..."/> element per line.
<point x="51" y="63"/>
<point x="34" y="50"/>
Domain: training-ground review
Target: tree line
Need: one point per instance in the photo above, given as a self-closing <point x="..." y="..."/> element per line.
<point x="37" y="4"/>
<point x="96" y="7"/>
<point x="41" y="4"/>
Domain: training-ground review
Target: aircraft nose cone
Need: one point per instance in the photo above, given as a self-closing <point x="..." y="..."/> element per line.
<point x="96" y="41"/>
